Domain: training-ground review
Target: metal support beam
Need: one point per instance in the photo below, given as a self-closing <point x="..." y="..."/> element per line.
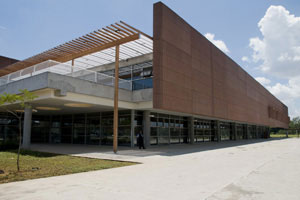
<point x="116" y="99"/>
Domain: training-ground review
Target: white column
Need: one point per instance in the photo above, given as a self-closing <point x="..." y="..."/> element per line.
<point x="191" y="129"/>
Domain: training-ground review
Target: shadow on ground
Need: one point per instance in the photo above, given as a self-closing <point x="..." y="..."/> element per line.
<point x="161" y="150"/>
<point x="24" y="152"/>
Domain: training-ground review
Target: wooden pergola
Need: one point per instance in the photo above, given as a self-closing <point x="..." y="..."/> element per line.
<point x="112" y="36"/>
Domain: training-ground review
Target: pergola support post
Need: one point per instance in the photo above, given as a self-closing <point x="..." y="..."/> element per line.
<point x="72" y="68"/>
<point x="116" y="99"/>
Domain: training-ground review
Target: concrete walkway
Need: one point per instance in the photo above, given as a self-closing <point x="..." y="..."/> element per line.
<point x="268" y="169"/>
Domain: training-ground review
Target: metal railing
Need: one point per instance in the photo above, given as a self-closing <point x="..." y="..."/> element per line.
<point x="66" y="70"/>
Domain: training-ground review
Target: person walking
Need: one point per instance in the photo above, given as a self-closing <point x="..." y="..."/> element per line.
<point x="140" y="140"/>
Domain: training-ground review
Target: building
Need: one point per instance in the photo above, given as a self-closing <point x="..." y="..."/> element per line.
<point x="177" y="88"/>
<point x="5" y="61"/>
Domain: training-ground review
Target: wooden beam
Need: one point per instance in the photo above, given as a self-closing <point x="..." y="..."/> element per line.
<point x="126" y="34"/>
<point x="136" y="30"/>
<point x="102" y="47"/>
<point x="117" y="31"/>
<point x="105" y="35"/>
<point x="83" y="44"/>
<point x="117" y="35"/>
<point x="116" y="99"/>
<point x="96" y="39"/>
<point x="72" y="47"/>
<point x="78" y="44"/>
<point x="97" y="35"/>
<point x="127" y="29"/>
<point x="67" y="49"/>
<point x="90" y="38"/>
<point x="85" y="41"/>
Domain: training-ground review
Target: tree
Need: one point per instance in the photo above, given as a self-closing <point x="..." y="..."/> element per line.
<point x="22" y="101"/>
<point x="295" y="123"/>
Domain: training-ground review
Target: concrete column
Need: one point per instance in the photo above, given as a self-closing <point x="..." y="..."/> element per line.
<point x="234" y="130"/>
<point x="27" y="128"/>
<point x="191" y="129"/>
<point x="269" y="132"/>
<point x="247" y="132"/>
<point x="218" y="131"/>
<point x="132" y="129"/>
<point x="146" y="127"/>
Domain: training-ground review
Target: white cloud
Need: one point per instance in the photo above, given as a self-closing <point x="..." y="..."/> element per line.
<point x="279" y="49"/>
<point x="278" y="54"/>
<point x="264" y="81"/>
<point x="245" y="59"/>
<point x="288" y="93"/>
<point x="219" y="43"/>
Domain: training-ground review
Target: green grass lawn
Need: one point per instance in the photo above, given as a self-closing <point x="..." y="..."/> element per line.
<point x="280" y="135"/>
<point x="37" y="165"/>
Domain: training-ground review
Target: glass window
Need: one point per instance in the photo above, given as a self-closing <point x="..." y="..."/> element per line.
<point x="153" y="121"/>
<point x="125" y="120"/>
<point x="138" y="120"/>
<point x="124" y="131"/>
<point x="153" y="132"/>
<point x="163" y="132"/>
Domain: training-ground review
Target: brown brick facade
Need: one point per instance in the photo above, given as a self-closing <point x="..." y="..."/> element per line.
<point x="193" y="76"/>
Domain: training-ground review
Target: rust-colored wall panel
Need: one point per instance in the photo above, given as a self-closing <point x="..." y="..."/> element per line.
<point x="193" y="76"/>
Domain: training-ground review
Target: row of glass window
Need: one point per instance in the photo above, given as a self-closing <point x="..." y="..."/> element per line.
<point x="91" y="128"/>
<point x="139" y="74"/>
<point x="168" y="129"/>
<point x="96" y="128"/>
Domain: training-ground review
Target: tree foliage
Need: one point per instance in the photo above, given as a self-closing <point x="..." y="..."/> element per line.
<point x="295" y="123"/>
<point x="21" y="101"/>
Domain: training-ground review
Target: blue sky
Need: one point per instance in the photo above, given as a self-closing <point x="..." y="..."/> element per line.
<point x="28" y="27"/>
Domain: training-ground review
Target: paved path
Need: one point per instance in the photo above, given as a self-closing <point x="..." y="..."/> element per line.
<point x="244" y="170"/>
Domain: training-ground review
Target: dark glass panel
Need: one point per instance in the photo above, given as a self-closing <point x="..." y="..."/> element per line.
<point x="174" y="140"/>
<point x="138" y="120"/>
<point x="163" y="140"/>
<point x="163" y="132"/>
<point x="153" y="140"/>
<point x="125" y="120"/>
<point x="153" y="132"/>
<point x="124" y="131"/>
<point x="66" y="134"/>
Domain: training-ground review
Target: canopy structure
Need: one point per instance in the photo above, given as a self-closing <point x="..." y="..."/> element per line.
<point x="93" y="49"/>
